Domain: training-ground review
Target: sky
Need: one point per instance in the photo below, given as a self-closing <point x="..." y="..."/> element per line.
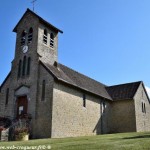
<point x="107" y="40"/>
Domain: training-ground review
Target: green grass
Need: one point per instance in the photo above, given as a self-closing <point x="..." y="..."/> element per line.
<point x="123" y="141"/>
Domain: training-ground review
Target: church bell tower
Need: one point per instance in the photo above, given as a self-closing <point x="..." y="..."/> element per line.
<point x="36" y="41"/>
<point x="36" y="38"/>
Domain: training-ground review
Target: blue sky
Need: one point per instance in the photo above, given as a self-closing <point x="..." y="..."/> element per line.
<point x="107" y="40"/>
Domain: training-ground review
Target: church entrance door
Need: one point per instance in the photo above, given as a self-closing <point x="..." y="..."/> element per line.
<point x="22" y="106"/>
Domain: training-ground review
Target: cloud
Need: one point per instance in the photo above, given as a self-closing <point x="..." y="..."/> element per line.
<point x="148" y="90"/>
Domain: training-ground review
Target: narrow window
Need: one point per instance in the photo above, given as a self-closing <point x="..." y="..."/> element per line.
<point x="52" y="40"/>
<point x="24" y="66"/>
<point x="45" y="37"/>
<point x="19" y="68"/>
<point x="30" y="35"/>
<point x="23" y="38"/>
<point x="28" y="66"/>
<point x="43" y="91"/>
<point x="84" y="100"/>
<point x="7" y="96"/>
<point x="144" y="109"/>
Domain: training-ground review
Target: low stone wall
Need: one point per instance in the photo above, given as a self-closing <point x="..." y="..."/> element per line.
<point x="4" y="135"/>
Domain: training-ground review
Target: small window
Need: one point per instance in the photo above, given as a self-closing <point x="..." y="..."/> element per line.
<point x="19" y="68"/>
<point x="30" y="35"/>
<point x="7" y="96"/>
<point x="23" y="38"/>
<point x="142" y="107"/>
<point x="45" y="37"/>
<point x="84" y="100"/>
<point x="43" y="90"/>
<point x="24" y="66"/>
<point x="52" y="40"/>
<point x="28" y="66"/>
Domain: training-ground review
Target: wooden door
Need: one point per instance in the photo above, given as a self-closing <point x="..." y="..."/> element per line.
<point x="22" y="106"/>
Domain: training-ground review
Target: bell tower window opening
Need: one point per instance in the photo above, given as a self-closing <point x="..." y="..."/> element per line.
<point x="23" y="38"/>
<point x="45" y="37"/>
<point x="52" y="40"/>
<point x="30" y="35"/>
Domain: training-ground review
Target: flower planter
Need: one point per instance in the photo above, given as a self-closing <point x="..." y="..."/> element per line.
<point x="22" y="137"/>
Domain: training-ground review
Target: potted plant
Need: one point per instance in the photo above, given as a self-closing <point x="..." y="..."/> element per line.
<point x="22" y="128"/>
<point x="21" y="134"/>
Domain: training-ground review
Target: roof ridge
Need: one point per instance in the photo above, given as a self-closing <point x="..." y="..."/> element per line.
<point x="83" y="75"/>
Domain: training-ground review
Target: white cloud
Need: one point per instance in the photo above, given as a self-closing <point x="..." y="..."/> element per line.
<point x="148" y="90"/>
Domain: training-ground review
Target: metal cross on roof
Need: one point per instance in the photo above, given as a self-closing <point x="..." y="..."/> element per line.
<point x="33" y="2"/>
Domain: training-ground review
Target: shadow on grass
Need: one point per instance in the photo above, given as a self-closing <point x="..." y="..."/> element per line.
<point x="136" y="137"/>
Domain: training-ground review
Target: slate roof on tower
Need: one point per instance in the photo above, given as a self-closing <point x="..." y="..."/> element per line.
<point x="40" y="19"/>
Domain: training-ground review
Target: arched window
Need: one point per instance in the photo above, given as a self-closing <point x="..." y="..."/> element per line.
<point x="30" y="35"/>
<point x="28" y="66"/>
<point x="43" y="91"/>
<point x="24" y="66"/>
<point x="19" y="68"/>
<point x="23" y="38"/>
<point x="45" y="36"/>
<point x="52" y="40"/>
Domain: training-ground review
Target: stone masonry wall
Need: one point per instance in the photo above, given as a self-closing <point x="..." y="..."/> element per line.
<point x="30" y="81"/>
<point x="142" y="119"/>
<point x="6" y="110"/>
<point x="105" y="116"/>
<point x="49" y="54"/>
<point x="70" y="118"/>
<point x="122" y="116"/>
<point x="27" y="80"/>
<point x="44" y="108"/>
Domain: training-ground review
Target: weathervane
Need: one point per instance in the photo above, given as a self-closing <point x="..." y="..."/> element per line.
<point x="33" y="1"/>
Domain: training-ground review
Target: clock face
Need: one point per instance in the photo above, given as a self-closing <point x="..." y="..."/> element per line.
<point x="25" y="49"/>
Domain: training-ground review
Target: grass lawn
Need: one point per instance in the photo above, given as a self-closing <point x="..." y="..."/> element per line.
<point x="123" y="141"/>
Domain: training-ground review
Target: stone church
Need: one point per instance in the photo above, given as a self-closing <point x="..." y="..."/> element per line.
<point x="61" y="101"/>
